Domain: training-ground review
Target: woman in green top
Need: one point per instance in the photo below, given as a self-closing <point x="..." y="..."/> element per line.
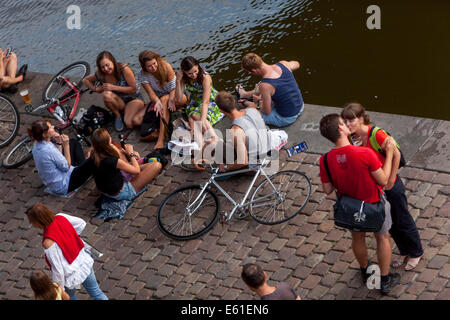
<point x="201" y="105"/>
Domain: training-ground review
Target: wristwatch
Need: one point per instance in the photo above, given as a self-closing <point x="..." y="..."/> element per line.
<point x="133" y="155"/>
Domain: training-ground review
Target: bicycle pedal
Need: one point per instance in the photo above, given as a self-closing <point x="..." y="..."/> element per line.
<point x="223" y="217"/>
<point x="242" y="215"/>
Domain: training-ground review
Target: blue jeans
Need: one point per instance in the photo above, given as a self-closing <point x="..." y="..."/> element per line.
<point x="275" y="119"/>
<point x="92" y="288"/>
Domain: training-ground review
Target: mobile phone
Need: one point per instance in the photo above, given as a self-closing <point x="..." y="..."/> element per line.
<point x="8" y="51"/>
<point x="302" y="146"/>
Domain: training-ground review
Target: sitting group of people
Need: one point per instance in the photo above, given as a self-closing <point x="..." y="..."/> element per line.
<point x="118" y="173"/>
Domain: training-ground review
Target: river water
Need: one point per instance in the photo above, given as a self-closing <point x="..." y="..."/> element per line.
<point x="401" y="68"/>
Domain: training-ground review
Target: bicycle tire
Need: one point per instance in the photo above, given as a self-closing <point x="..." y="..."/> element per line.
<point x="173" y="215"/>
<point x="293" y="187"/>
<point x="53" y="89"/>
<point x="19" y="154"/>
<point x="9" y="121"/>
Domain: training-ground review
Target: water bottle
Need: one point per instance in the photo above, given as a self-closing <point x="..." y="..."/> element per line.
<point x="59" y="111"/>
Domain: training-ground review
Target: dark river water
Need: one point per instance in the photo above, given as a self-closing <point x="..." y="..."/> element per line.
<point x="402" y="68"/>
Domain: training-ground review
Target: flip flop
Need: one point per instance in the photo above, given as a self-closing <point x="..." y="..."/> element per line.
<point x="412" y="264"/>
<point x="399" y="261"/>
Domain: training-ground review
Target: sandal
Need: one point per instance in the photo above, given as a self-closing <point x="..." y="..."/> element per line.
<point x="238" y="95"/>
<point x="412" y="263"/>
<point x="399" y="261"/>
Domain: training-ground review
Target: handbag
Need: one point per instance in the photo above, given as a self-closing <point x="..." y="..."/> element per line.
<point x="357" y="215"/>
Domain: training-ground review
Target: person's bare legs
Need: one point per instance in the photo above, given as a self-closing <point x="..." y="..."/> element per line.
<point x="134" y="113"/>
<point x="166" y="115"/>
<point x="113" y="102"/>
<point x="384" y="253"/>
<point x="359" y="248"/>
<point x="162" y="127"/>
<point x="149" y="171"/>
<point x="245" y="94"/>
<point x="8" y="70"/>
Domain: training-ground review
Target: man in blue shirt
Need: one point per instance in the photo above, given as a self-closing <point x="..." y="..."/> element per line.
<point x="278" y="94"/>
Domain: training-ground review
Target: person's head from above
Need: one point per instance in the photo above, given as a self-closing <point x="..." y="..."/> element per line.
<point x="333" y="127"/>
<point x="354" y="116"/>
<point x="149" y="61"/>
<point x="226" y="102"/>
<point x="102" y="145"/>
<point x="107" y="64"/>
<point x="41" y="130"/>
<point x="251" y="62"/>
<point x="40" y="216"/>
<point x="253" y="276"/>
<point x="191" y="69"/>
<point x="43" y="287"/>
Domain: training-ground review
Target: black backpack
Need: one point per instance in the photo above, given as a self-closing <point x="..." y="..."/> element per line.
<point x="95" y="117"/>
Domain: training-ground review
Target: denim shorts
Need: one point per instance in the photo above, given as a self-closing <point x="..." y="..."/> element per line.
<point x="275" y="119"/>
<point x="127" y="192"/>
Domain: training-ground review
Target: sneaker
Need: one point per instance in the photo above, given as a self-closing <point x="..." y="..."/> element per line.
<point x="118" y="124"/>
<point x="393" y="280"/>
<point x="364" y="276"/>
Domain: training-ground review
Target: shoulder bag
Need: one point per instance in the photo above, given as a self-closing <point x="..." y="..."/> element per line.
<point x="357" y="215"/>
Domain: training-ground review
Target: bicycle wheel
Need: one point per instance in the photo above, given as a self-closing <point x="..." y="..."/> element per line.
<point x="57" y="88"/>
<point x="181" y="217"/>
<point x="291" y="193"/>
<point x="9" y="121"/>
<point x="19" y="154"/>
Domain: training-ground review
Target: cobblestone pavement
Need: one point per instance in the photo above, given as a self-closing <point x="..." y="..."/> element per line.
<point x="139" y="262"/>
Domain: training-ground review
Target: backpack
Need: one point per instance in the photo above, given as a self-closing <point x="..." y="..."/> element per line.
<point x="374" y="143"/>
<point x="95" y="117"/>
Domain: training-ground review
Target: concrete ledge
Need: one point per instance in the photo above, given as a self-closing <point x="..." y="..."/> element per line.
<point x="424" y="141"/>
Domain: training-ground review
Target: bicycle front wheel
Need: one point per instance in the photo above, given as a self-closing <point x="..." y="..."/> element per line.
<point x="187" y="213"/>
<point x="19" y="154"/>
<point x="9" y="121"/>
<point x="282" y="199"/>
<point x="58" y="88"/>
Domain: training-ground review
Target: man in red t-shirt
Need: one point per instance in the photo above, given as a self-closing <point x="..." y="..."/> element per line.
<point x="358" y="173"/>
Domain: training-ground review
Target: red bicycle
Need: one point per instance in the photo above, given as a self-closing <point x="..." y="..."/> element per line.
<point x="61" y="97"/>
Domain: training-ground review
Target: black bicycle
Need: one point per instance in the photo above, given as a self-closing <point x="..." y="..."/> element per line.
<point x="9" y="121"/>
<point x="63" y="89"/>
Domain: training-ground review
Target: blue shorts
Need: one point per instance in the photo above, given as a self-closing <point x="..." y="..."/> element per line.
<point x="127" y="192"/>
<point x="275" y="119"/>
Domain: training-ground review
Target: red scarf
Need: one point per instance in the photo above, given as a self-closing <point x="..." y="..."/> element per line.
<point x="64" y="234"/>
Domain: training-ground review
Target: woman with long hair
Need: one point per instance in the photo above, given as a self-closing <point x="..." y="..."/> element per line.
<point x="64" y="250"/>
<point x="201" y="105"/>
<point x="59" y="160"/>
<point x="119" y="89"/>
<point x="158" y="80"/>
<point x="404" y="230"/>
<point x="46" y="289"/>
<point x="110" y="162"/>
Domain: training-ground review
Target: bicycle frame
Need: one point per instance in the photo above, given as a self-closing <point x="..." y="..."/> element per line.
<point x="54" y="103"/>
<point x="243" y="203"/>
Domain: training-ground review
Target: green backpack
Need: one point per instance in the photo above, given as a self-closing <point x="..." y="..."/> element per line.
<point x="374" y="143"/>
